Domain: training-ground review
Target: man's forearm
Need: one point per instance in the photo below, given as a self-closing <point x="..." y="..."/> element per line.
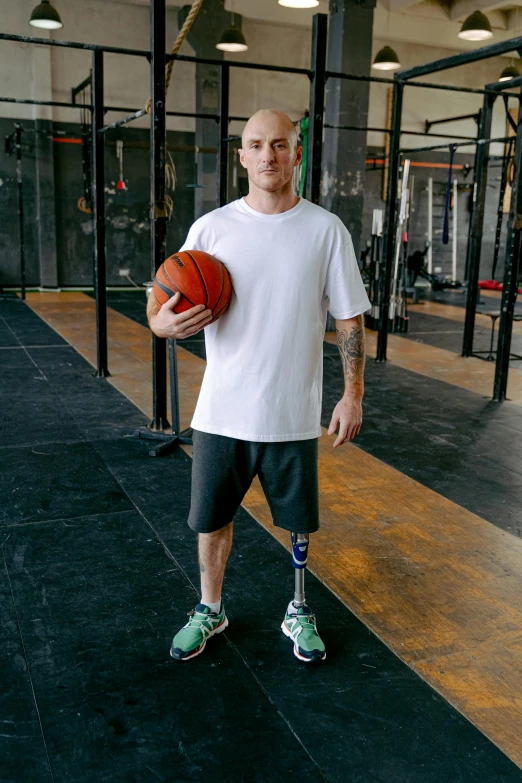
<point x="351" y="344"/>
<point x="152" y="306"/>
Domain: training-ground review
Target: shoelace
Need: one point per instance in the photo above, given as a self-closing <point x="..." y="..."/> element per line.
<point x="199" y="623"/>
<point x="302" y="621"/>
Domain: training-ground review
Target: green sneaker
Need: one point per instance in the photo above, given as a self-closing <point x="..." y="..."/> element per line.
<point x="192" y="638"/>
<point x="299" y="625"/>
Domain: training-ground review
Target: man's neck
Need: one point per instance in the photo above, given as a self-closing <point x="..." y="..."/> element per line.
<point x="271" y="203"/>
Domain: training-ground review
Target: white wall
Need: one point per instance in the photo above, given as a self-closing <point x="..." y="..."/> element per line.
<point x="16" y="60"/>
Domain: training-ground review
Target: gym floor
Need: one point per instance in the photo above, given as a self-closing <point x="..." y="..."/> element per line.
<point x="414" y="576"/>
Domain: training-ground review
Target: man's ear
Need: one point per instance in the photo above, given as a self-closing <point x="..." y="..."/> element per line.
<point x="242" y="158"/>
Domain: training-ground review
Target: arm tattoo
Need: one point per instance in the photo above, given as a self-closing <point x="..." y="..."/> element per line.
<point x="351" y="348"/>
<point x="202" y="568"/>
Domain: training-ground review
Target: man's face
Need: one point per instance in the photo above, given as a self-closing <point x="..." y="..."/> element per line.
<point x="270" y="153"/>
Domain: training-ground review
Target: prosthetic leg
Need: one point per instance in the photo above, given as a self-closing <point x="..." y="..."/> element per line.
<point x="299" y="623"/>
<point x="299" y="561"/>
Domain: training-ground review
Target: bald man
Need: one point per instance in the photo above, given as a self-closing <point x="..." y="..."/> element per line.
<point x="259" y="408"/>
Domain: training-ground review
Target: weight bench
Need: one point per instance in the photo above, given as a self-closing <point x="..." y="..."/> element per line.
<point x="491" y="354"/>
<point x="417" y="290"/>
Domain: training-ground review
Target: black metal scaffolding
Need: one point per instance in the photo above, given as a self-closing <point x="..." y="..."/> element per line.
<point x="158" y="214"/>
<point x="98" y="205"/>
<point x="317" y="104"/>
<point x="474" y="247"/>
<point x="509" y="293"/>
<point x="511" y="270"/>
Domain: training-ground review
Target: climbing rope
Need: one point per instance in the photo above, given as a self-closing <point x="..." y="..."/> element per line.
<point x="189" y="21"/>
<point x="170" y="184"/>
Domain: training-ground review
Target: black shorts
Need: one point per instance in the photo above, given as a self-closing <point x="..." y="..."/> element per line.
<point x="223" y="469"/>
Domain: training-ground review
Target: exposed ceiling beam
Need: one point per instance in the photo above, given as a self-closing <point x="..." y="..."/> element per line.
<point x="260" y="10"/>
<point x="513" y="17"/>
<point x="397" y="6"/>
<point x="271" y="11"/>
<point x="461" y="9"/>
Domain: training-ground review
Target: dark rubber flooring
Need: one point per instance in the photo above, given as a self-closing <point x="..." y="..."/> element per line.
<point x="98" y="571"/>
<point x="457" y="297"/>
<point x="448" y="334"/>
<point x="453" y="441"/>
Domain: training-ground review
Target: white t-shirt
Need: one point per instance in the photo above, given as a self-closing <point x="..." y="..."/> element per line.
<point x="264" y="373"/>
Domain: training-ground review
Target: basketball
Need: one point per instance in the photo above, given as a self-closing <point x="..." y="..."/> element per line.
<point x="199" y="278"/>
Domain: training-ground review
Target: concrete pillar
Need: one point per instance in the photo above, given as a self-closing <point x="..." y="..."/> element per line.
<point x="344" y="156"/>
<point x="203" y="37"/>
<point x="44" y="166"/>
<point x="45" y="205"/>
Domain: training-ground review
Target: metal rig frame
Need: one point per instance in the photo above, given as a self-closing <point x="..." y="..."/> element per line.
<point x="13" y="143"/>
<point x="509" y="292"/>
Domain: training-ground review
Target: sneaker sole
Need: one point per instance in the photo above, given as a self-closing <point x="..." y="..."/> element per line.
<point x="200" y="649"/>
<point x="300" y="657"/>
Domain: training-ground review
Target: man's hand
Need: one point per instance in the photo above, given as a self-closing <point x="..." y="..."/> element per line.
<point x="164" y="322"/>
<point x="348" y="414"/>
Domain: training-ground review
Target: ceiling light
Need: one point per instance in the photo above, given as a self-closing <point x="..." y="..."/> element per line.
<point x="44" y="15"/>
<point x="386" y="60"/>
<point x="232" y="40"/>
<point x="476" y="28"/>
<point x="299" y="3"/>
<point x="509" y="73"/>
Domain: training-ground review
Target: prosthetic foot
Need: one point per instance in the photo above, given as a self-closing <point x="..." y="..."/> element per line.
<point x="299" y="623"/>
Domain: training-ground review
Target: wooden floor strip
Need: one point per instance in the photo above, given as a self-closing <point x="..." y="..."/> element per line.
<point x="470" y="373"/>
<point x="454" y="313"/>
<point x="438" y="584"/>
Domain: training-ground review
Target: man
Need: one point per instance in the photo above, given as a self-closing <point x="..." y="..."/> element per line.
<point x="259" y="407"/>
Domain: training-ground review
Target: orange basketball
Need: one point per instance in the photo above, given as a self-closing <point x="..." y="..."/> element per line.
<point x="200" y="279"/>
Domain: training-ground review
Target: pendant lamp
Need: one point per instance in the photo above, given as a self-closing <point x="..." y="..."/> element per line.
<point x="46" y="17"/>
<point x="232" y="40"/>
<point x="386" y="60"/>
<point x="509" y="73"/>
<point x="476" y="28"/>
<point x="299" y="3"/>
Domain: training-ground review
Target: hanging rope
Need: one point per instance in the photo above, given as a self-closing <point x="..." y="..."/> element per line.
<point x="189" y="21"/>
<point x="170" y="182"/>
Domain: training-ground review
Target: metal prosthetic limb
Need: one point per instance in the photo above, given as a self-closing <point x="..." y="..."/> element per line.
<point x="299" y="561"/>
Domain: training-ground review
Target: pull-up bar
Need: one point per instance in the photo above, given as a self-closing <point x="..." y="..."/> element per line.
<point x="403" y="132"/>
<point x="471" y="143"/>
<point x="142" y="113"/>
<point x="391" y="82"/>
<point x="63" y="104"/>
<point x="430" y="123"/>
<point x="484" y="53"/>
<point x="73" y="45"/>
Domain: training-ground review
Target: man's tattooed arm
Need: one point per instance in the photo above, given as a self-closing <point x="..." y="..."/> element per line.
<point x="351" y="344"/>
